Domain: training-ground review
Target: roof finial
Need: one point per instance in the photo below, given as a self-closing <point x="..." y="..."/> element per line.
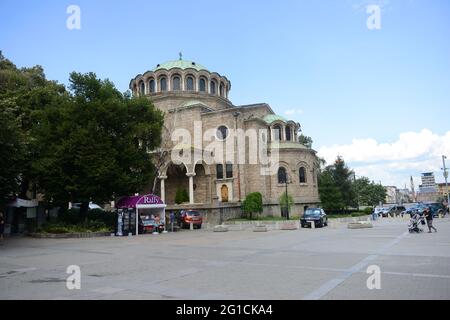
<point x="181" y="55"/>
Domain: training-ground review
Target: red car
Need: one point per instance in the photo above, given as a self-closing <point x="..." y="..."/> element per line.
<point x="190" y="216"/>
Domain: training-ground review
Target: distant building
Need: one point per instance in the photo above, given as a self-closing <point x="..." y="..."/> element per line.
<point x="391" y="194"/>
<point x="428" y="191"/>
<point x="442" y="189"/>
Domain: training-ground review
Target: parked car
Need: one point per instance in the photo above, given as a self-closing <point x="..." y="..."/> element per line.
<point x="384" y="212"/>
<point x="436" y="208"/>
<point x="417" y="208"/>
<point x="314" y="214"/>
<point x="148" y="224"/>
<point x="396" y="210"/>
<point x="186" y="217"/>
<point x="92" y="206"/>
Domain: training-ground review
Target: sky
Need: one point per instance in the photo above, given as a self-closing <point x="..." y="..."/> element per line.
<point x="380" y="98"/>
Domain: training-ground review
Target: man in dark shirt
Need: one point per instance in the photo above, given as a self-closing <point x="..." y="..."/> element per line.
<point x="429" y="217"/>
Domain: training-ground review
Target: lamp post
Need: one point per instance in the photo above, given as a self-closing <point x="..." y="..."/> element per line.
<point x="446" y="178"/>
<point x="287" y="199"/>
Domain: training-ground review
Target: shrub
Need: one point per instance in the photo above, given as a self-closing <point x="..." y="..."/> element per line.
<point x="181" y="196"/>
<point x="368" y="210"/>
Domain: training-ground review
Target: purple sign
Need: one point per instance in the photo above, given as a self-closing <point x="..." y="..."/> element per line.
<point x="133" y="202"/>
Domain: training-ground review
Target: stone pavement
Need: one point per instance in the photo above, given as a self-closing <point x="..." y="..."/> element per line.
<point x="329" y="263"/>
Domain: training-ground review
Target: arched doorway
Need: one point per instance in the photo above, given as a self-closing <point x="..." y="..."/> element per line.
<point x="176" y="180"/>
<point x="224" y="193"/>
<point x="201" y="184"/>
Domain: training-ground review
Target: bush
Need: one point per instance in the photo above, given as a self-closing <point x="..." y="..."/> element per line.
<point x="181" y="196"/>
<point x="368" y="210"/>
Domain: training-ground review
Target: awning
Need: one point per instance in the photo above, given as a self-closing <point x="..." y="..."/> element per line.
<point x="141" y="202"/>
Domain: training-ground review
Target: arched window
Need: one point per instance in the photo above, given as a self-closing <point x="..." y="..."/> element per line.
<point x="221" y="90"/>
<point x="176" y="83"/>
<point x="314" y="176"/>
<point x="202" y="85"/>
<point x="190" y="84"/>
<point x="288" y="133"/>
<point x="229" y="170"/>
<point x="151" y="85"/>
<point x="302" y="175"/>
<point x="219" y="173"/>
<point x="141" y="88"/>
<point x="213" y="87"/>
<point x="282" y="175"/>
<point x="277" y="132"/>
<point x="163" y="84"/>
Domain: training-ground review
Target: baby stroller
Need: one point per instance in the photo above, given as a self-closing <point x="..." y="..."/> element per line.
<point x="415" y="222"/>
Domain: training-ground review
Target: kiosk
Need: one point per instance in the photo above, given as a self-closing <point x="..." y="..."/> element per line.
<point x="130" y="209"/>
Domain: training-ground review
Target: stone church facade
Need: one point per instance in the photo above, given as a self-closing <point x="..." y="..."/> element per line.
<point x="195" y="100"/>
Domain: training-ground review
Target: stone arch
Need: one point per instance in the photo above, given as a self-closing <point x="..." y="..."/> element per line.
<point x="202" y="183"/>
<point x="176" y="179"/>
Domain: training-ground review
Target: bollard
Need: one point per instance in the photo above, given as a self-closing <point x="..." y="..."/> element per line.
<point x="440" y="215"/>
<point x="313" y="224"/>
<point x="191" y="226"/>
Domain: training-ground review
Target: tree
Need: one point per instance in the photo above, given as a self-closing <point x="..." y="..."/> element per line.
<point x="253" y="203"/>
<point x="181" y="196"/>
<point x="11" y="156"/>
<point x="330" y="195"/>
<point x="306" y="141"/>
<point x="343" y="178"/>
<point x="93" y="145"/>
<point x="286" y="202"/>
<point x="368" y="193"/>
<point x="23" y="92"/>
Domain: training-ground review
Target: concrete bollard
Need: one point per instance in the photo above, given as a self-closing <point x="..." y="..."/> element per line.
<point x="313" y="224"/>
<point x="191" y="226"/>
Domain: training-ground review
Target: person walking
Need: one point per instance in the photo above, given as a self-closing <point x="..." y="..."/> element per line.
<point x="2" y="227"/>
<point x="429" y="218"/>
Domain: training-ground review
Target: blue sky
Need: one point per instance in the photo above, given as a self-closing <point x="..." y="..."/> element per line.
<point x="313" y="61"/>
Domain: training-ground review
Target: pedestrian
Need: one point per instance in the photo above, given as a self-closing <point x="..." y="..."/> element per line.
<point x="429" y="217"/>
<point x="2" y="227"/>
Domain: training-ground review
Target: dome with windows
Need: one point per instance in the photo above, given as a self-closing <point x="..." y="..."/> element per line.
<point x="180" y="76"/>
<point x="180" y="64"/>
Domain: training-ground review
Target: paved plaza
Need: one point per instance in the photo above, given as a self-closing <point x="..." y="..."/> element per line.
<point x="329" y="263"/>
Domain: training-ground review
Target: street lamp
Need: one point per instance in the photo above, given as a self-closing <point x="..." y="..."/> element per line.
<point x="446" y="178"/>
<point x="286" y="181"/>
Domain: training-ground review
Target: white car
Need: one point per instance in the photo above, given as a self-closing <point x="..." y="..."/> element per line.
<point x="92" y="206"/>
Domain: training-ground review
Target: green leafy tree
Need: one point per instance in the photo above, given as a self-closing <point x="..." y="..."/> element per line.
<point x="330" y="195"/>
<point x="93" y="145"/>
<point x="343" y="178"/>
<point x="286" y="202"/>
<point x="23" y="92"/>
<point x="306" y="141"/>
<point x="368" y="193"/>
<point x="181" y="196"/>
<point x="253" y="203"/>
<point x="12" y="156"/>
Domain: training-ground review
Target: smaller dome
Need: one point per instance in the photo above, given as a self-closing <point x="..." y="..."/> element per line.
<point x="271" y="118"/>
<point x="181" y="64"/>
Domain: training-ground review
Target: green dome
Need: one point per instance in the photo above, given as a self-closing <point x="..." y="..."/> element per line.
<point x="271" y="118"/>
<point x="181" y="64"/>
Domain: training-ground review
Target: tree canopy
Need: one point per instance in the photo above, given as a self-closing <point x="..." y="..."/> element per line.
<point x="88" y="143"/>
<point x="253" y="203"/>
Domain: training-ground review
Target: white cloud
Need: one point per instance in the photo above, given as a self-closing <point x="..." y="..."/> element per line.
<point x="394" y="162"/>
<point x="292" y="112"/>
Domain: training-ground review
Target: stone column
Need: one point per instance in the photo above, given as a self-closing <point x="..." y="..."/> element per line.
<point x="163" y="187"/>
<point x="191" y="187"/>
<point x="283" y="133"/>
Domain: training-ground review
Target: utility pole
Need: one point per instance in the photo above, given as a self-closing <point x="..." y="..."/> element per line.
<point x="446" y="178"/>
<point x="286" y="181"/>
